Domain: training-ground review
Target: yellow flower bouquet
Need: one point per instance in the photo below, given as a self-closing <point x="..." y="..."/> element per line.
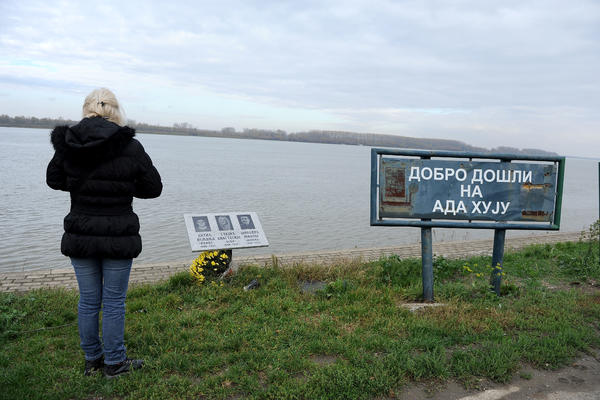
<point x="210" y="264"/>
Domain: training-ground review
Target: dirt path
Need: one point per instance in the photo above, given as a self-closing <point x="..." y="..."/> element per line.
<point x="578" y="381"/>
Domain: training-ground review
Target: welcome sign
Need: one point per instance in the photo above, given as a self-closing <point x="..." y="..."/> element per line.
<point x="439" y="189"/>
<point x="425" y="189"/>
<point x="476" y="190"/>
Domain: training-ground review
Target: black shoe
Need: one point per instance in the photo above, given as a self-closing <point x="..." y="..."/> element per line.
<point x="112" y="371"/>
<point x="91" y="367"/>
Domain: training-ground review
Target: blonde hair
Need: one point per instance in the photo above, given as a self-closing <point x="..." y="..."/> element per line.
<point x="103" y="103"/>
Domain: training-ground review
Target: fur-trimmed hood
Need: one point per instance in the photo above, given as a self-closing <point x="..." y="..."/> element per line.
<point x="91" y="139"/>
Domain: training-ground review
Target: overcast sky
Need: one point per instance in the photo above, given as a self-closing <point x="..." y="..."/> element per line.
<point x="490" y="73"/>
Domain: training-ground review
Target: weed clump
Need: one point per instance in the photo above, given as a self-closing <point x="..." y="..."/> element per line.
<point x="584" y="265"/>
<point x="398" y="272"/>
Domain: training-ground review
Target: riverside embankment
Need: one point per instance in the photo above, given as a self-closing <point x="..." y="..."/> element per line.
<point x="148" y="273"/>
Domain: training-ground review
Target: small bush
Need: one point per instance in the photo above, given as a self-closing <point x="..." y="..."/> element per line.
<point x="444" y="268"/>
<point x="583" y="265"/>
<point x="338" y="288"/>
<point x="10" y="313"/>
<point x="181" y="280"/>
<point x="395" y="271"/>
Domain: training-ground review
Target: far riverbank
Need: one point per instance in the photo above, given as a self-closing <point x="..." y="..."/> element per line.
<point x="312" y="136"/>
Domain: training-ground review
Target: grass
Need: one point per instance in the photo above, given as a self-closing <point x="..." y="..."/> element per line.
<point x="352" y="339"/>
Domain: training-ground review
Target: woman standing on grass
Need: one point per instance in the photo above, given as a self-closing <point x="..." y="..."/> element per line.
<point x="103" y="167"/>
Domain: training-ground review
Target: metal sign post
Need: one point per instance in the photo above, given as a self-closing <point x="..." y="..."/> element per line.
<point x="427" y="258"/>
<point x="430" y="189"/>
<point x="497" y="260"/>
<point x="427" y="264"/>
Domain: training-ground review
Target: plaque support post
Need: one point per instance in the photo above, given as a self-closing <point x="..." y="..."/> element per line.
<point x="497" y="256"/>
<point x="427" y="264"/>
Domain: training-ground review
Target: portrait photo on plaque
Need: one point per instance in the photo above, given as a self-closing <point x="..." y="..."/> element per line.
<point x="201" y="224"/>
<point x="224" y="223"/>
<point x="245" y="221"/>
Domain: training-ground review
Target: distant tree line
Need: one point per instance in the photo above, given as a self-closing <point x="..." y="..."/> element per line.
<point x="312" y="136"/>
<point x="33" y="122"/>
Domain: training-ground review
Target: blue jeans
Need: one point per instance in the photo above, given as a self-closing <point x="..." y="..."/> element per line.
<point x="102" y="284"/>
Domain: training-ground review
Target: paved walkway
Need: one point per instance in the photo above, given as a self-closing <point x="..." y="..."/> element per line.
<point x="147" y="273"/>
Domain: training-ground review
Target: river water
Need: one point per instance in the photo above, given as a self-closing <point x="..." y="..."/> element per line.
<point x="308" y="196"/>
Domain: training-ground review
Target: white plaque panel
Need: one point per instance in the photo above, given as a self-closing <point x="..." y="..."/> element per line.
<point x="230" y="230"/>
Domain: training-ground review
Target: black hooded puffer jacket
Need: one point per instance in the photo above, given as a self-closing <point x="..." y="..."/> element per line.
<point x="103" y="167"/>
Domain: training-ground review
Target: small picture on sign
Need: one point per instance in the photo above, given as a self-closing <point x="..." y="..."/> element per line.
<point x="201" y="224"/>
<point x="224" y="223"/>
<point x="245" y="221"/>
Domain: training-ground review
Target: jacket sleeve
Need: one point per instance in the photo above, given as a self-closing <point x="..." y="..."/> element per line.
<point x="148" y="184"/>
<point x="55" y="174"/>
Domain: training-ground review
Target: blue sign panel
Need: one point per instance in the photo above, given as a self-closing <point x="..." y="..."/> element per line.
<point x="467" y="190"/>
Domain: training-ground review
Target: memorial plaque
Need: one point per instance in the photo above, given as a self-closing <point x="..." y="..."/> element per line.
<point x="231" y="230"/>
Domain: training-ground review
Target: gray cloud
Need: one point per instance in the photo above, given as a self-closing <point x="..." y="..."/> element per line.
<point x="492" y="64"/>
